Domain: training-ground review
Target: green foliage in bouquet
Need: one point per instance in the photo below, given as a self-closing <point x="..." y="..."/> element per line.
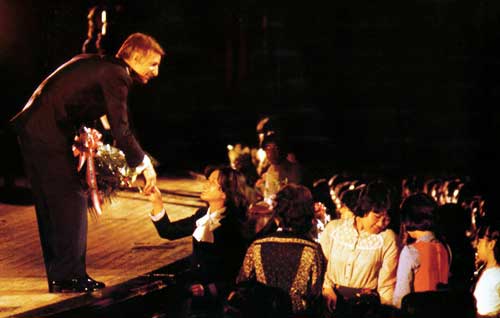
<point x="112" y="171"/>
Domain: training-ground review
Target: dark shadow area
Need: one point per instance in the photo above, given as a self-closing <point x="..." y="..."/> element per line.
<point x="389" y="89"/>
<point x="16" y="195"/>
<point x="383" y="88"/>
<point x="439" y="304"/>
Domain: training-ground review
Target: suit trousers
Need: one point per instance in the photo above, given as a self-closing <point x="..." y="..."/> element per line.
<point x="61" y="208"/>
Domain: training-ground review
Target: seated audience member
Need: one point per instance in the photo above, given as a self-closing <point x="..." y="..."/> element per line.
<point x="362" y="255"/>
<point x="289" y="259"/>
<point x="425" y="263"/>
<point x="280" y="171"/>
<point x="487" y="289"/>
<point x="218" y="244"/>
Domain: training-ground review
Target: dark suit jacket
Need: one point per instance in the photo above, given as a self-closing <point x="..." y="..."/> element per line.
<point x="216" y="262"/>
<point x="78" y="93"/>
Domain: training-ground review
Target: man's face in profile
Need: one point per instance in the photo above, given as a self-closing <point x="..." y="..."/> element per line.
<point x="147" y="67"/>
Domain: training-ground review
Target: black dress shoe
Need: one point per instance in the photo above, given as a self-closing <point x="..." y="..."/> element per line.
<point x="75" y="285"/>
<point x="95" y="284"/>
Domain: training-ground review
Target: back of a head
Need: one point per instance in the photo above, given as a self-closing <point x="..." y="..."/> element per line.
<point x="295" y="208"/>
<point x="105" y="29"/>
<point x="375" y="197"/>
<point x="139" y="43"/>
<point x="418" y="212"/>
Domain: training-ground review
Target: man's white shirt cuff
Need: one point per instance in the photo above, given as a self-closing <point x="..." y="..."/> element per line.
<point x="144" y="164"/>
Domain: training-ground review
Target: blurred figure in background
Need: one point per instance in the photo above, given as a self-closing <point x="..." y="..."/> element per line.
<point x="272" y="126"/>
<point x="104" y="31"/>
<point x="324" y="208"/>
<point x="321" y="193"/>
<point x="280" y="171"/>
<point x="244" y="165"/>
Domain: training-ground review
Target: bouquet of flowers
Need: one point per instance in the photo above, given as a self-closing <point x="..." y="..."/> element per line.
<point x="107" y="170"/>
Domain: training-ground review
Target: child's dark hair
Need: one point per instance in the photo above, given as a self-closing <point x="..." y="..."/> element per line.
<point x="295" y="208"/>
<point x="375" y="197"/>
<point x="418" y="212"/>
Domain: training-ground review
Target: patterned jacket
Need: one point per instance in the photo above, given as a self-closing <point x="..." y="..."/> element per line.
<point x="289" y="262"/>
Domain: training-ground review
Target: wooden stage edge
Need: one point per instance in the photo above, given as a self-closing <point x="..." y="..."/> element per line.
<point x="122" y="245"/>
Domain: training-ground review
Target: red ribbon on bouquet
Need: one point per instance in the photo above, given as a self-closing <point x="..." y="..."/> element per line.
<point x="85" y="147"/>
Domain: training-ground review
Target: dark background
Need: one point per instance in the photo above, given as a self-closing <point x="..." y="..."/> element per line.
<point x="377" y="87"/>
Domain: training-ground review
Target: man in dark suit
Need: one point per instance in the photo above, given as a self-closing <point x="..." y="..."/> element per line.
<point x="79" y="92"/>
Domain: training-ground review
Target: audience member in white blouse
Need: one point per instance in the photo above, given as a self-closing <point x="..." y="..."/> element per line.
<point x="362" y="255"/>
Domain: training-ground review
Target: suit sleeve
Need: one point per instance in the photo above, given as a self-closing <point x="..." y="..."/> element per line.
<point x="175" y="230"/>
<point x="115" y="86"/>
